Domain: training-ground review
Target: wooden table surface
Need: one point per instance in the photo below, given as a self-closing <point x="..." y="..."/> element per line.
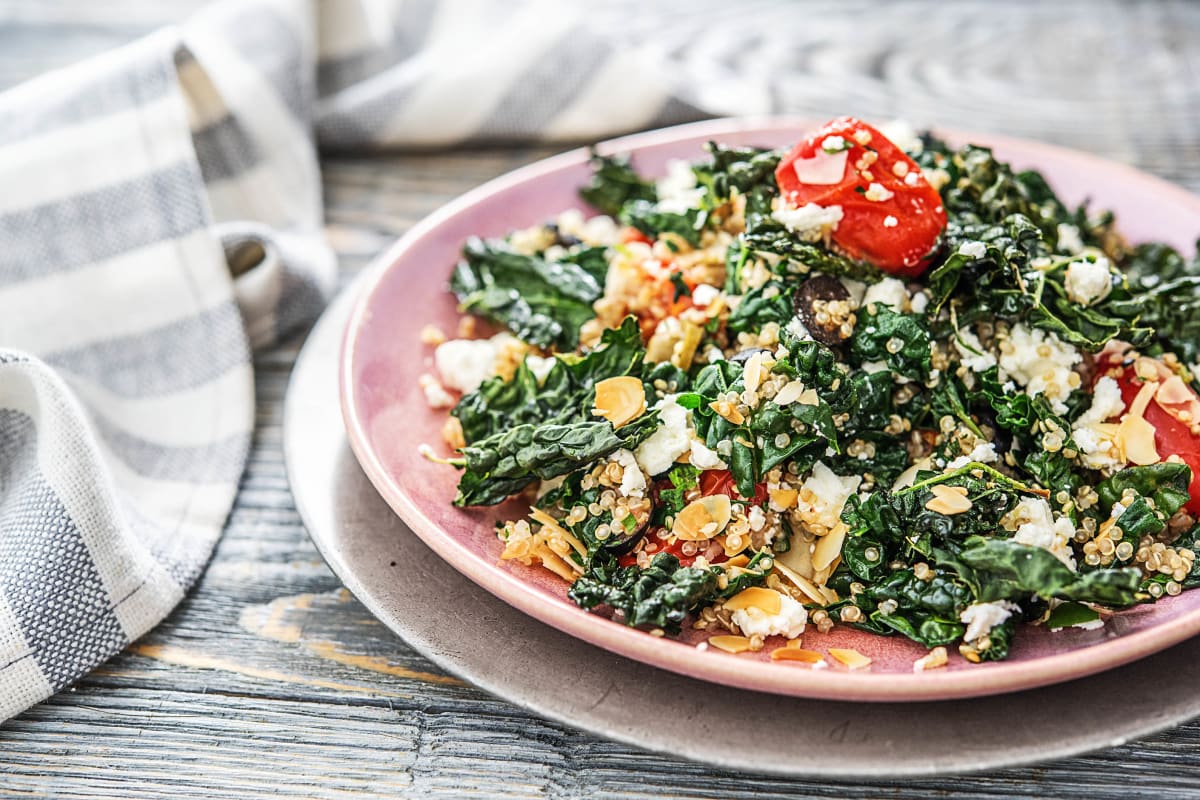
<point x="270" y="679"/>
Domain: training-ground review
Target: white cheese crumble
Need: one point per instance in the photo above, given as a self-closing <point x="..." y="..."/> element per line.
<point x="983" y="453"/>
<point x="888" y="291"/>
<point x="1088" y="280"/>
<point x="540" y="367"/>
<point x="982" y="617"/>
<point x="789" y="622"/>
<point x="1069" y="240"/>
<point x="702" y="457"/>
<point x="890" y="222"/>
<point x="1096" y="441"/>
<point x="877" y="192"/>
<point x="435" y="395"/>
<point x="920" y="302"/>
<point x="833" y="144"/>
<point x="809" y="222"/>
<point x="677" y="190"/>
<point x="600" y="230"/>
<point x="1041" y="363"/>
<point x="971" y="352"/>
<point x="633" y="480"/>
<point x="796" y="328"/>
<point x="672" y="439"/>
<point x="704" y="294"/>
<point x="466" y="363"/>
<point x="1037" y="527"/>
<point x="823" y="495"/>
<point x="972" y="249"/>
<point x="901" y="133"/>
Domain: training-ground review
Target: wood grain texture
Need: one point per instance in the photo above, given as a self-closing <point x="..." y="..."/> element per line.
<point x="269" y="679"/>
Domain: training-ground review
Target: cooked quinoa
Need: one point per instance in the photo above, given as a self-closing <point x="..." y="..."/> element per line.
<point x="736" y="408"/>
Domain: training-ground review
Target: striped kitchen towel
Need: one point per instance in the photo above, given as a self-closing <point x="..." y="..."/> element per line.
<point x="160" y="217"/>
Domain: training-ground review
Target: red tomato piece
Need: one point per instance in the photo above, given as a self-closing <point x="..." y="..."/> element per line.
<point x="1171" y="436"/>
<point x="720" y="481"/>
<point x="891" y="216"/>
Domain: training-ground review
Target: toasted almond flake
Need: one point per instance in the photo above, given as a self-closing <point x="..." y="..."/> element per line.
<point x="802" y="583"/>
<point x="1136" y="439"/>
<point x="620" y="400"/>
<point x="730" y="644"/>
<point x="851" y="658"/>
<point x="703" y="518"/>
<point x="752" y="371"/>
<point x="932" y="660"/>
<point x="808" y="397"/>
<point x="781" y="499"/>
<point x="796" y="654"/>
<point x="948" y="500"/>
<point x="829" y="547"/>
<point x="432" y="335"/>
<point x="765" y="600"/>
<point x="727" y="410"/>
<point x="790" y="392"/>
<point x="452" y="433"/>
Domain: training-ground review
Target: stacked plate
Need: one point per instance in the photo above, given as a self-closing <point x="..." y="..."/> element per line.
<point x="429" y="571"/>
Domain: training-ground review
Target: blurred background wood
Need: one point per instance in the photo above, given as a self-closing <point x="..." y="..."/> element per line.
<point x="270" y="678"/>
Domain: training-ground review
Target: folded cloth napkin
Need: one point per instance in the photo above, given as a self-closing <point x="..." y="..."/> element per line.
<point x="161" y="218"/>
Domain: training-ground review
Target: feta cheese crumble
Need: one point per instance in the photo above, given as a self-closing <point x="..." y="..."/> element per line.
<point x="1041" y="363"/>
<point x="971" y="352"/>
<point x="1036" y="526"/>
<point x="704" y="294"/>
<point x="823" y="496"/>
<point x="972" y="249"/>
<point x="890" y="222"/>
<point x="1096" y="440"/>
<point x="810" y="222"/>
<point x="466" y="363"/>
<point x="982" y="617"/>
<point x="1088" y="280"/>
<point x="789" y="622"/>
<point x="983" y="453"/>
<point x="890" y="292"/>
<point x="673" y="438"/>
<point x="1069" y="240"/>
<point x="833" y="144"/>
<point x="877" y="192"/>
<point x="633" y="480"/>
<point x="677" y="191"/>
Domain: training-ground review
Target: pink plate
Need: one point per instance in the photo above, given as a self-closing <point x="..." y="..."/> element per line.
<point x="387" y="419"/>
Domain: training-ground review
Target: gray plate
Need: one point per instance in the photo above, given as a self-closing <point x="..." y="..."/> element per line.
<point x="470" y="633"/>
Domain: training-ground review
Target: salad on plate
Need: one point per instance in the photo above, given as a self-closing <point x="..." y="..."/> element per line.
<point x="873" y="380"/>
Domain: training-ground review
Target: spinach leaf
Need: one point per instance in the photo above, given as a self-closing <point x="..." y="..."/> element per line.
<point x="542" y="302"/>
<point x="1165" y="483"/>
<point x="614" y="183"/>
<point x="902" y="341"/>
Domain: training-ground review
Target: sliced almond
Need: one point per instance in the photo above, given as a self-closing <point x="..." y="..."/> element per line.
<point x="752" y="371"/>
<point x="1178" y="400"/>
<point x="727" y="410"/>
<point x="790" y="392"/>
<point x="796" y="654"/>
<point x="807" y="587"/>
<point x="703" y="519"/>
<point x="766" y="600"/>
<point x="1136" y="438"/>
<point x="829" y="547"/>
<point x="736" y="561"/>
<point x="851" y="658"/>
<point x="808" y="397"/>
<point x="948" y="500"/>
<point x="620" y="400"/>
<point x="782" y="499"/>
<point x="685" y="349"/>
<point x="730" y="644"/>
<point x="932" y="660"/>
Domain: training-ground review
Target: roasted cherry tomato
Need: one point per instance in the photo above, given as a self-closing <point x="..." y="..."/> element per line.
<point x="1171" y="435"/>
<point x="720" y="481"/>
<point x="891" y="216"/>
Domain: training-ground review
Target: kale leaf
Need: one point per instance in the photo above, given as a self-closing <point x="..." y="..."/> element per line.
<point x="661" y="595"/>
<point x="615" y="183"/>
<point x="542" y="302"/>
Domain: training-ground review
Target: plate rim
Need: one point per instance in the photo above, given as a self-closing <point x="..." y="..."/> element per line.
<point x="728" y="669"/>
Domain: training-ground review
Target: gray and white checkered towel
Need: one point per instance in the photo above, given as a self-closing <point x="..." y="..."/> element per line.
<point x="160" y="217"/>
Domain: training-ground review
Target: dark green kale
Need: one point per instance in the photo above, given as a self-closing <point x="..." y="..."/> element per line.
<point x="662" y="595"/>
<point x="750" y="171"/>
<point x="564" y="396"/>
<point x="542" y="302"/>
<point x="650" y="220"/>
<point x="1005" y="568"/>
<point x="902" y="341"/>
<point x="771" y="302"/>
<point x="615" y="183"/>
